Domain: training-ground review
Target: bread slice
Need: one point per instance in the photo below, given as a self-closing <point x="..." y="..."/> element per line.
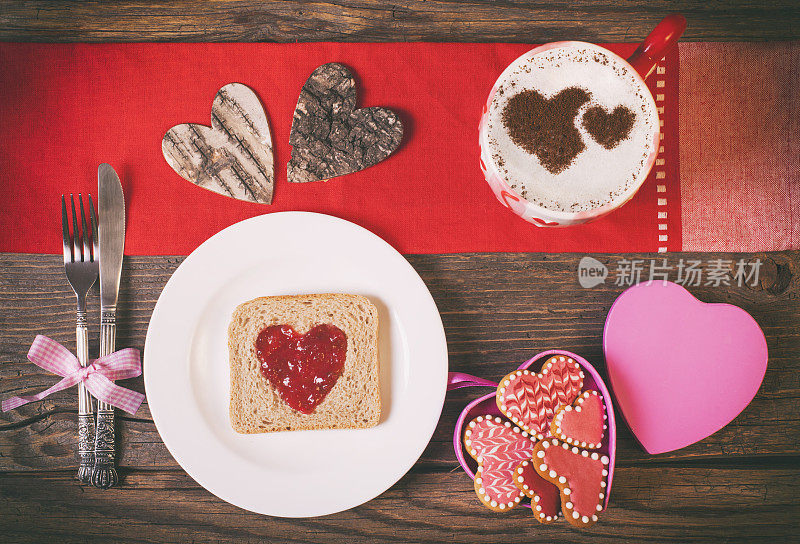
<point x="353" y="402"/>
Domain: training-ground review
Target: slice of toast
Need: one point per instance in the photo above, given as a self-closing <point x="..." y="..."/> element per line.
<point x="353" y="402"/>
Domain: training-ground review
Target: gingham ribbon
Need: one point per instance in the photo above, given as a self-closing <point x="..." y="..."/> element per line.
<point x="98" y="377"/>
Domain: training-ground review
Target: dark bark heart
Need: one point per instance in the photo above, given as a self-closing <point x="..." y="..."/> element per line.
<point x="608" y="129"/>
<point x="302" y="367"/>
<point x="329" y="136"/>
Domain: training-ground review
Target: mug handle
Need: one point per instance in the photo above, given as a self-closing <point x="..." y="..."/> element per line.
<point x="656" y="44"/>
<point x="457" y="380"/>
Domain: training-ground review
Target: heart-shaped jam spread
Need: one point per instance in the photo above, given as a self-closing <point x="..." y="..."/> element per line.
<point x="302" y="367"/>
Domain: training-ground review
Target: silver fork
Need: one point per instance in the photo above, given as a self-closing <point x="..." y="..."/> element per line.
<point x="82" y="269"/>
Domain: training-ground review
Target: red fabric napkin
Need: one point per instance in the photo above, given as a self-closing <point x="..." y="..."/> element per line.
<point x="68" y="108"/>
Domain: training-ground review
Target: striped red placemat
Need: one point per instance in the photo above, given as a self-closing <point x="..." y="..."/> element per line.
<point x="69" y="107"/>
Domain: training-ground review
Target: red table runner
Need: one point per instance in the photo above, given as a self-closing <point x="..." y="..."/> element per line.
<point x="68" y="108"/>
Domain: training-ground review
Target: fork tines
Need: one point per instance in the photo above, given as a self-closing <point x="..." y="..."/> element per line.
<point x="81" y="245"/>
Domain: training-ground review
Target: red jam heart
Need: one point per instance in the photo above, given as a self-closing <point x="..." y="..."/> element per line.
<point x="544" y="496"/>
<point x="302" y="367"/>
<point x="582" y="424"/>
<point x="580" y="475"/>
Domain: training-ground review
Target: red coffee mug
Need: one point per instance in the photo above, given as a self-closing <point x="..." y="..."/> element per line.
<point x="643" y="62"/>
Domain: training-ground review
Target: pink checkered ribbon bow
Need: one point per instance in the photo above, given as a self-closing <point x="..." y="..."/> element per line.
<point x="98" y="377"/>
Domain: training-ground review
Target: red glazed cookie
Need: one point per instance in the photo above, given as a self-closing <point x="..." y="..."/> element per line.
<point x="531" y="400"/>
<point x="579" y="474"/>
<point x="582" y="424"/>
<point x="544" y="496"/>
<point x="499" y="448"/>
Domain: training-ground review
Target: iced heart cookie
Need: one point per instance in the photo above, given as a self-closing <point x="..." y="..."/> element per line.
<point x="583" y="423"/>
<point x="544" y="496"/>
<point x="579" y="474"/>
<point x="499" y="448"/>
<point x="531" y="400"/>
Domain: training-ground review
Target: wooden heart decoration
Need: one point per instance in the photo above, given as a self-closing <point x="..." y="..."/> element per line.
<point x="681" y="369"/>
<point x="329" y="136"/>
<point x="531" y="400"/>
<point x="499" y="448"/>
<point x="234" y="156"/>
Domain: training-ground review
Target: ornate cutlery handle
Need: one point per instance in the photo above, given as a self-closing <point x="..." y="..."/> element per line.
<point x="85" y="415"/>
<point x="104" y="474"/>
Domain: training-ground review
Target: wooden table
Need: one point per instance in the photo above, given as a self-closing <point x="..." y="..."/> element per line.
<point x="498" y="310"/>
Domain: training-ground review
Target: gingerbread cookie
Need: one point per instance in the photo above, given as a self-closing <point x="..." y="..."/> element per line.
<point x="583" y="423"/>
<point x="544" y="496"/>
<point x="499" y="448"/>
<point x="531" y="400"/>
<point x="579" y="474"/>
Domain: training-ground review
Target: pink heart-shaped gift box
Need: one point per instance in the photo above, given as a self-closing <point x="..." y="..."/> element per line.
<point x="681" y="369"/>
<point x="486" y="405"/>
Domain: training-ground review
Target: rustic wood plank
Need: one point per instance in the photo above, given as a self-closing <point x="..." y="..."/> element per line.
<point x="697" y="504"/>
<point x="410" y="20"/>
<point x="494" y="320"/>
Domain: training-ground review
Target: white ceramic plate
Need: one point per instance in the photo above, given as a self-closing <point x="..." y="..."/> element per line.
<point x="302" y="473"/>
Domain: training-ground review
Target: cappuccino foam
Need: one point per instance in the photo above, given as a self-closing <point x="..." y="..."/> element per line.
<point x="597" y="176"/>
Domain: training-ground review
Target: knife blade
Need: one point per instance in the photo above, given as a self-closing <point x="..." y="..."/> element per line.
<point x="111" y="232"/>
<point x="111" y="237"/>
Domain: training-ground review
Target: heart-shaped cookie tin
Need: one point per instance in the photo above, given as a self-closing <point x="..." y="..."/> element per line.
<point x="487" y="405"/>
<point x="664" y="348"/>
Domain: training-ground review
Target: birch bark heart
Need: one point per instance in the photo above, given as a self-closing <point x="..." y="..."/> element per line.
<point x="234" y="156"/>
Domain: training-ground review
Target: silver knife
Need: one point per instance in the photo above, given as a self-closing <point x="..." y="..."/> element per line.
<point x="111" y="230"/>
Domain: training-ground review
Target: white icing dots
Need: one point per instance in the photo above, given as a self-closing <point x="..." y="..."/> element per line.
<point x="541" y="515"/>
<point x="585" y="453"/>
<point x="540" y="454"/>
<point x="605" y="472"/>
<point x="562" y="480"/>
<point x="585" y="519"/>
<point x="502" y="506"/>
<point x="543" y="467"/>
<point x="599" y="508"/>
<point x="604" y="460"/>
<point x="595" y="457"/>
<point x="549" y="518"/>
<point x="567" y="491"/>
<point x="594" y="517"/>
<point x="493" y="504"/>
<point x="575" y="515"/>
<point x="538" y="507"/>
<point x="520" y="479"/>
<point x="553" y="474"/>
<point x="568" y="505"/>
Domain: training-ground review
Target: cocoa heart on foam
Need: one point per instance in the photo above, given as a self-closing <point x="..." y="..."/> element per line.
<point x="531" y="399"/>
<point x="329" y="136"/>
<point x="681" y="369"/>
<point x="608" y="129"/>
<point x="232" y="157"/>
<point x="499" y="448"/>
